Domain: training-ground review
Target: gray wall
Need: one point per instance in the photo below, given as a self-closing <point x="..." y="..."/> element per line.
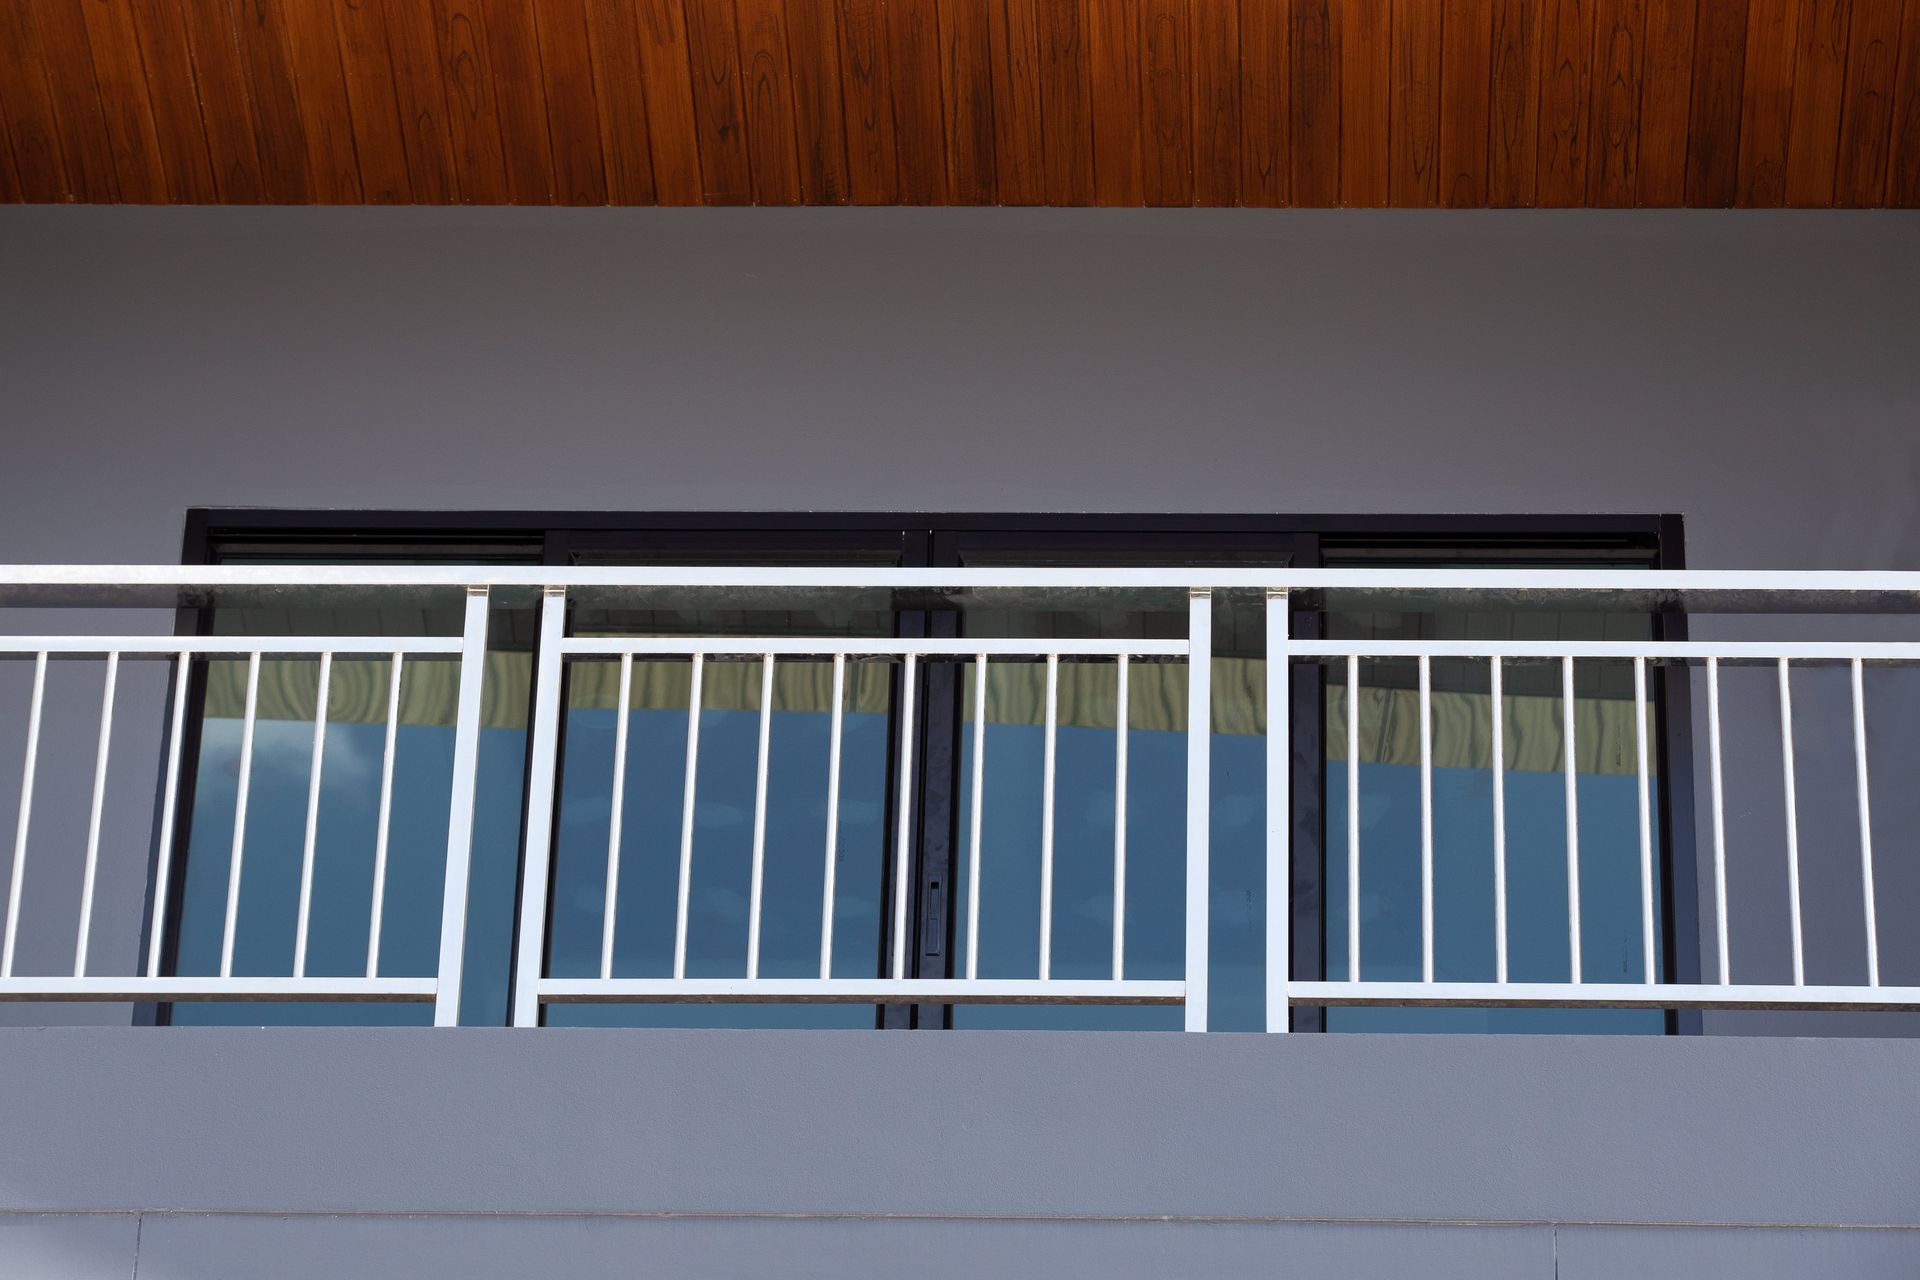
<point x="1756" y="373"/>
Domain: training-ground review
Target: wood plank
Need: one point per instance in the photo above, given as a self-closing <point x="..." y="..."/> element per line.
<point x="666" y="70"/>
<point x="1466" y="74"/>
<point x="572" y="102"/>
<point x="1363" y="31"/>
<point x="181" y="134"/>
<point x="1266" y="109"/>
<point x="819" y="118"/>
<point x="420" y="99"/>
<point x="279" y="134"/>
<point x="1866" y="115"/>
<point x="767" y="93"/>
<point x="873" y="161"/>
<point x="1666" y="97"/>
<point x="919" y="123"/>
<point x="320" y="93"/>
<point x="473" y="124"/>
<point x="85" y="144"/>
<point x="1713" y="122"/>
<point x="9" y="180"/>
<point x="1313" y="104"/>
<point x="1113" y="54"/>
<point x="1566" y="53"/>
<point x="1414" y="150"/>
<point x="1066" y="101"/>
<point x="1166" y="101"/>
<point x="121" y="75"/>
<point x="1766" y="102"/>
<point x="33" y="133"/>
<point x="613" y="46"/>
<point x="519" y="96"/>
<point x="379" y="140"/>
<point x="1216" y="103"/>
<point x="1903" y="155"/>
<point x="1513" y="133"/>
<point x="1019" y="155"/>
<point x="1613" y="147"/>
<point x="226" y="111"/>
<point x="1819" y="81"/>
<point x="966" y="87"/>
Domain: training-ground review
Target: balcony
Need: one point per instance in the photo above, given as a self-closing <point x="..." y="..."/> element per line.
<point x="1788" y="716"/>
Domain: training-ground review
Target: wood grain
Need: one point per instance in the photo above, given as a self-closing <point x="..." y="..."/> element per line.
<point x="1713" y="121"/>
<point x="773" y="152"/>
<point x="1466" y="69"/>
<point x="620" y="100"/>
<point x="1216" y="103"/>
<point x="379" y="142"/>
<point x="1415" y="101"/>
<point x="34" y="152"/>
<point x="1613" y="149"/>
<point x="572" y="105"/>
<point x="873" y="165"/>
<point x="1115" y="64"/>
<point x="1903" y="147"/>
<point x="1066" y="101"/>
<point x="1166" y="102"/>
<point x="1766" y="96"/>
<point x="1666" y="96"/>
<point x="673" y="136"/>
<point x="513" y="53"/>
<point x="1566" y="61"/>
<point x="1019" y="149"/>
<point x="1266" y="109"/>
<point x="1313" y="103"/>
<point x="819" y="119"/>
<point x="460" y="37"/>
<point x="121" y="76"/>
<point x="1866" y="109"/>
<point x="1513" y="102"/>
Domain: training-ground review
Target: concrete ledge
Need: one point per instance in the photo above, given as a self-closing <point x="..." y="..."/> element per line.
<point x="1465" y="1129"/>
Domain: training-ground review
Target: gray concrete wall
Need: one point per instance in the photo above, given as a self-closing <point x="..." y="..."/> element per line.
<point x="221" y="1153"/>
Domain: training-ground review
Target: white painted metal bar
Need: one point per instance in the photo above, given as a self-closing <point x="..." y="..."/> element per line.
<point x="1665" y="650"/>
<point x="1573" y="815"/>
<point x="860" y="991"/>
<point x="1611" y="995"/>
<point x="758" y="876"/>
<point x="311" y="841"/>
<point x="1353" y="818"/>
<point x="824" y="646"/>
<point x="17" y="882"/>
<point x="224" y="646"/>
<point x="1199" y="803"/>
<point x="1499" y="763"/>
<point x="377" y="915"/>
<point x="1647" y="972"/>
<point x="1426" y="818"/>
<point x="1793" y="821"/>
<point x="466" y="777"/>
<point x="1279" y="878"/>
<point x="543" y="746"/>
<point x="236" y="857"/>
<point x="977" y="800"/>
<point x="131" y="990"/>
<point x="1719" y="819"/>
<point x="169" y="808"/>
<point x="616" y="815"/>
<point x="1046" y="815"/>
<point x="833" y="812"/>
<point x="1866" y="823"/>
<point x="691" y="779"/>
<point x="1120" y="716"/>
<point x="91" y="875"/>
<point x="903" y="833"/>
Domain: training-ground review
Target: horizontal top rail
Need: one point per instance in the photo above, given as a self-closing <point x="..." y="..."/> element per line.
<point x="266" y="646"/>
<point x="826" y="646"/>
<point x="171" y="586"/>
<point x="1554" y="650"/>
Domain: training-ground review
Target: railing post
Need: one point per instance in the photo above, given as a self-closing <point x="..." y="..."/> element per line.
<point x="1199" y="795"/>
<point x="466" y="763"/>
<point x="542" y="754"/>
<point x="1279" y="811"/>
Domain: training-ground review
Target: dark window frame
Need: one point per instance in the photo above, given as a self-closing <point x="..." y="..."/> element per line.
<point x="552" y="537"/>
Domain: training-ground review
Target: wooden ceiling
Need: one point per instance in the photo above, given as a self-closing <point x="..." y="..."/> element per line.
<point x="1060" y="102"/>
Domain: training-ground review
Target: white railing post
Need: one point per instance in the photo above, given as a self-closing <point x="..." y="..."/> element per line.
<point x="1279" y="812"/>
<point x="466" y="763"/>
<point x="1199" y="793"/>
<point x="542" y="753"/>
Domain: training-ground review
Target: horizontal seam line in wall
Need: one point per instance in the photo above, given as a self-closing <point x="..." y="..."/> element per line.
<point x="738" y="1215"/>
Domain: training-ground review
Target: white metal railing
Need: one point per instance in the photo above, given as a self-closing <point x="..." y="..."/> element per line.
<point x="1283" y="591"/>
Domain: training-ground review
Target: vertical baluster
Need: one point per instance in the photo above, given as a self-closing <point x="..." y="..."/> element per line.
<point x="1353" y="818"/>
<point x="1279" y="814"/>
<point x="1199" y="802"/>
<point x="1120" y="818"/>
<point x="1046" y="817"/>
<point x="1572" y="764"/>
<point x="91" y="874"/>
<point x="616" y="816"/>
<point x="310" y="843"/>
<point x="1793" y="820"/>
<point x="466" y="776"/>
<point x="169" y="807"/>
<point x="758" y="875"/>
<point x="978" y="802"/>
<point x="1646" y="818"/>
<point x="833" y="813"/>
<point x="1866" y="821"/>
<point x="377" y="914"/>
<point x="903" y="831"/>
<point x="691" y="776"/>
<point x="17" y="883"/>
<point x="1499" y="761"/>
<point x="1426" y="818"/>
<point x="235" y="858"/>
<point x="543" y="749"/>
<point x="1719" y="819"/>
